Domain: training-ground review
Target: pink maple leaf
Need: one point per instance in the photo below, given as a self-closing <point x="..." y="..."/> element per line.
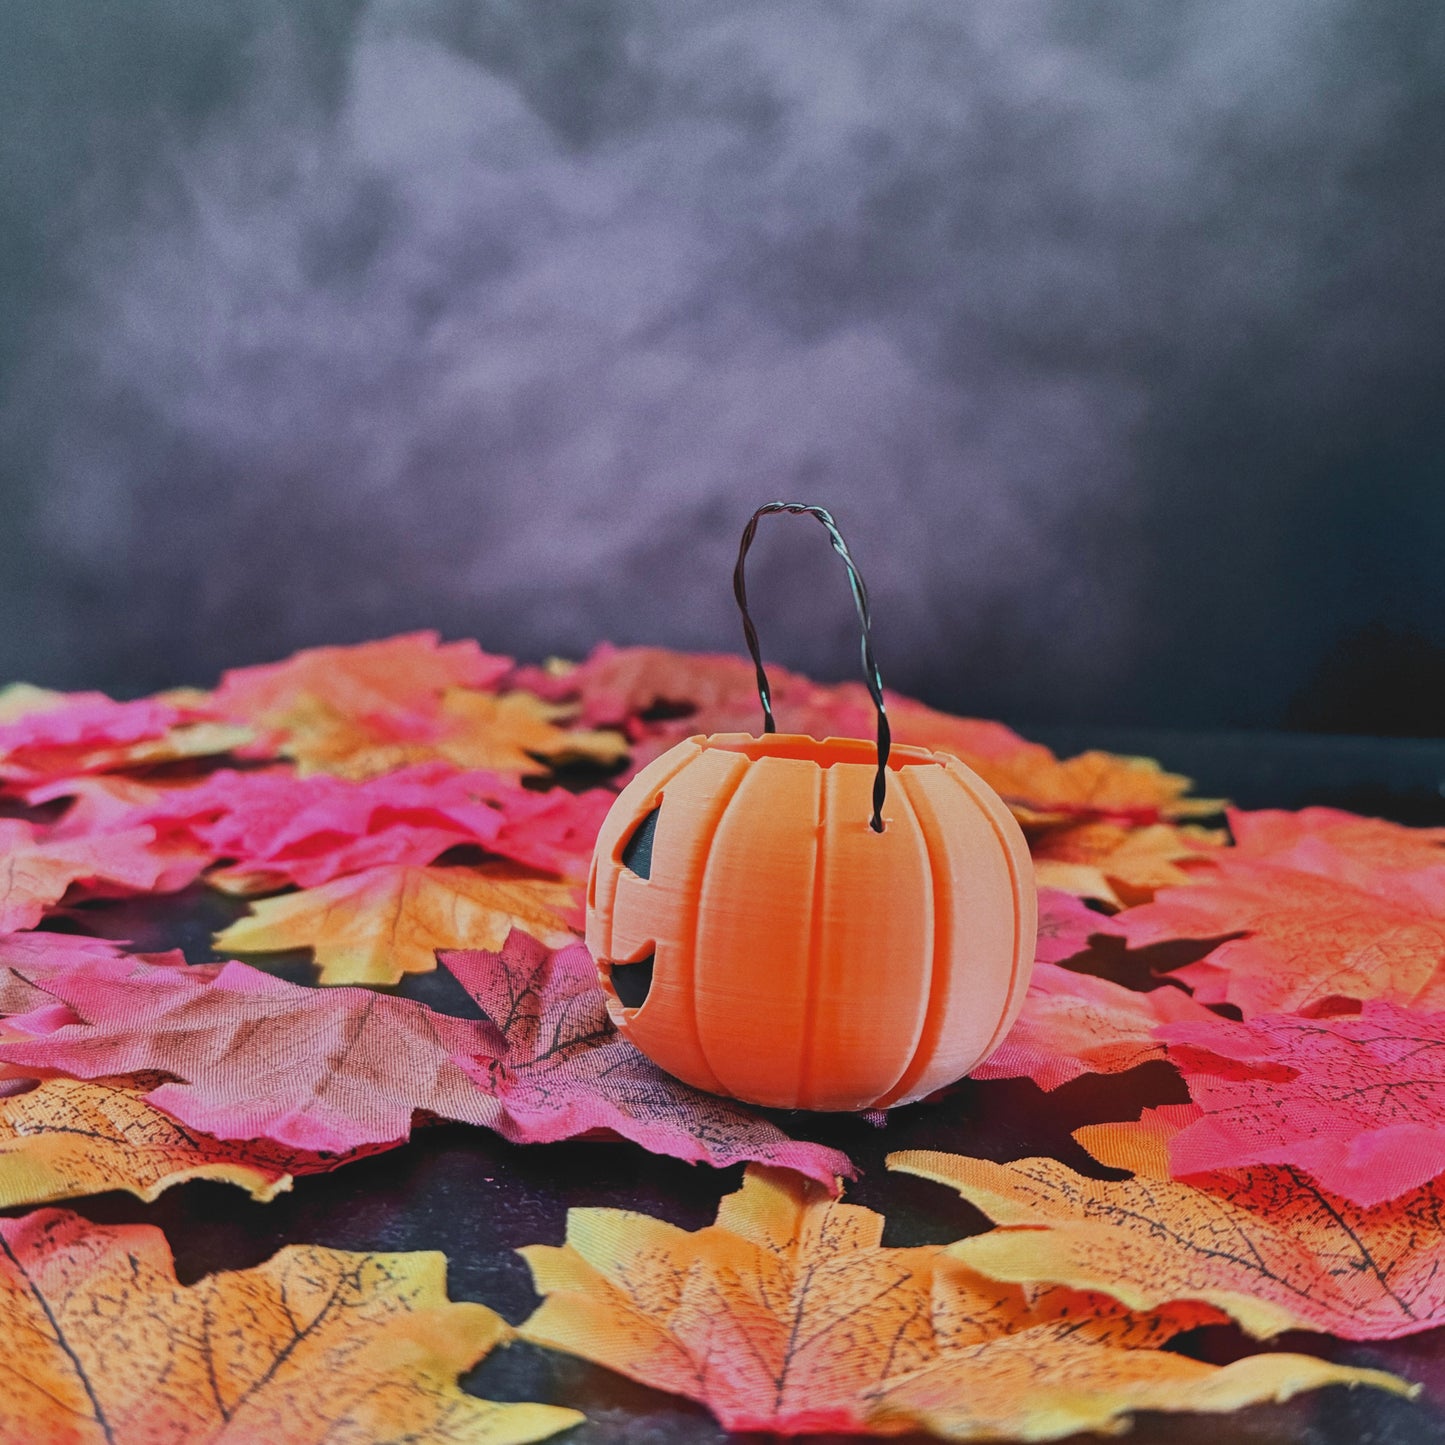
<point x="251" y="1056"/>
<point x="1355" y="1100"/>
<point x="564" y="1070"/>
<point x="36" y="869"/>
<point x="1073" y="1024"/>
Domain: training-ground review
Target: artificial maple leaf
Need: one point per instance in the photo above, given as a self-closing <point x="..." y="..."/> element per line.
<point x="81" y="719"/>
<point x="104" y="1345"/>
<point x="1357" y="1100"/>
<point x="1266" y="1245"/>
<point x="1056" y="1380"/>
<point x="1043" y="789"/>
<point x="1073" y="1024"/>
<point x="343" y="709"/>
<point x="278" y="829"/>
<point x="373" y="927"/>
<point x="26" y="957"/>
<point x="788" y="1315"/>
<point x="1116" y="864"/>
<point x="111" y="802"/>
<point x="1309" y="937"/>
<point x="658" y="697"/>
<point x="21" y="699"/>
<point x="1385" y="846"/>
<point x="36" y="870"/>
<point x="68" y="1137"/>
<point x="87" y="732"/>
<point x="1066" y="925"/>
<point x="555" y="830"/>
<point x="1094" y="784"/>
<point x="251" y="1057"/>
<point x="618" y="686"/>
<point x="1404" y="865"/>
<point x="515" y="733"/>
<point x="566" y="1071"/>
<point x="391" y="680"/>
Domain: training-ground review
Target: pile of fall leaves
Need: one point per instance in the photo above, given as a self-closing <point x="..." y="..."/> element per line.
<point x="409" y="803"/>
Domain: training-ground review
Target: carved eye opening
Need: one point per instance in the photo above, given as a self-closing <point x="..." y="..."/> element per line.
<point x="632" y="981"/>
<point x="637" y="852"/>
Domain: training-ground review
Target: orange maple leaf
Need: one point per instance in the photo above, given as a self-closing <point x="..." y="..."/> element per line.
<point x="104" y="1345"/>
<point x="391" y="677"/>
<point x="789" y="1315"/>
<point x="362" y="711"/>
<point x="1043" y="789"/>
<point x="512" y="733"/>
<point x="1266" y="1245"/>
<point x="373" y="927"/>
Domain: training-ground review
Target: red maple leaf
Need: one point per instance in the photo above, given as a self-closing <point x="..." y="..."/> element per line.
<point x="26" y="957"/>
<point x="391" y="676"/>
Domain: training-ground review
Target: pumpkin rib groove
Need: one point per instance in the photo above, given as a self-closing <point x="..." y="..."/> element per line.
<point x="1022" y="967"/>
<point x="808" y="1041"/>
<point x="722" y="802"/>
<point x="940" y="901"/>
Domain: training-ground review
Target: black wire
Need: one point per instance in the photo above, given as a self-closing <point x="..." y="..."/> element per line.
<point x="860" y="600"/>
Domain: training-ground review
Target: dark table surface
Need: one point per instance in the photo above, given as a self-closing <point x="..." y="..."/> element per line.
<point x="478" y="1198"/>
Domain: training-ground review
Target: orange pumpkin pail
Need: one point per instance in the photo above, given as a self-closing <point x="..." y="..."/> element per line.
<point x="834" y="924"/>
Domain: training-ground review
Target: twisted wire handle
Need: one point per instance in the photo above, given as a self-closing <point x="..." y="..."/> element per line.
<point x="860" y="600"/>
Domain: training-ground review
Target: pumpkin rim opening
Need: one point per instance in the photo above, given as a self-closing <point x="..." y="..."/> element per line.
<point x="822" y="752"/>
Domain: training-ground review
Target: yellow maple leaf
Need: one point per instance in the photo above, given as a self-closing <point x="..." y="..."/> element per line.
<point x="373" y="927"/>
<point x="103" y="1345"/>
<point x="22" y="699"/>
<point x="1114" y="863"/>
<point x="790" y="1315"/>
<point x="70" y="1137"/>
<point x="1266" y="1245"/>
<point x="508" y="733"/>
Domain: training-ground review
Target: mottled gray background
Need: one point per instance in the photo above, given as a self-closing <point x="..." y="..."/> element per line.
<point x="1113" y="332"/>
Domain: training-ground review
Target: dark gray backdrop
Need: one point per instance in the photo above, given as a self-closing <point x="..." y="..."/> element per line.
<point x="1112" y="331"/>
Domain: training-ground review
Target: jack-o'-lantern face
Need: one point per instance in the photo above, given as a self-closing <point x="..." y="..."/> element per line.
<point x="757" y="938"/>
